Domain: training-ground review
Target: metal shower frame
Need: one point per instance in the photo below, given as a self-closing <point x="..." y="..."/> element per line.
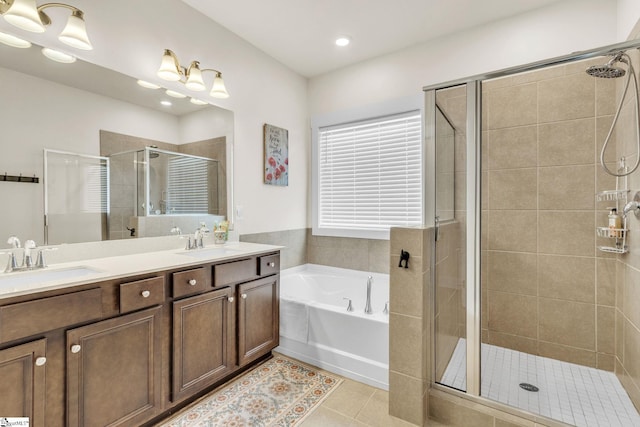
<point x="473" y="209"/>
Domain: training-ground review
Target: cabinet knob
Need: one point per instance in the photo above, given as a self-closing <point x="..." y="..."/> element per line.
<point x="76" y="348"/>
<point x="272" y="264"/>
<point x="244" y="296"/>
<point x="230" y="299"/>
<point x="40" y="361"/>
<point x="193" y="282"/>
<point x="145" y="294"/>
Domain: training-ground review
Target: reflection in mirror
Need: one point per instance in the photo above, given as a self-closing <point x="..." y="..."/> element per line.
<point x="76" y="197"/>
<point x="69" y="107"/>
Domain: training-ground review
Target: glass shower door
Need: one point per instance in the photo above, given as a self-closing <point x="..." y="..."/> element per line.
<point x="451" y="144"/>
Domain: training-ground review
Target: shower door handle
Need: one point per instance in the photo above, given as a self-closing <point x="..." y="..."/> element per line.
<point x="436" y="228"/>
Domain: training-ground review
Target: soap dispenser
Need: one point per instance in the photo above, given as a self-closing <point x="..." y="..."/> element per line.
<point x="615" y="223"/>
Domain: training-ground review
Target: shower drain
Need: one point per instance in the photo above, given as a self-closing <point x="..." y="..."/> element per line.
<point x="529" y="387"/>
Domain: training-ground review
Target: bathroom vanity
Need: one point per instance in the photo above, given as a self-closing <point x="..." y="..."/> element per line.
<point x="130" y="346"/>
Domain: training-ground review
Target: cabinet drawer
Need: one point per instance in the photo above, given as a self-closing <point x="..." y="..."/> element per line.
<point x="191" y="281"/>
<point x="46" y="314"/>
<point x="141" y="293"/>
<point x="269" y="264"/>
<point x="234" y="272"/>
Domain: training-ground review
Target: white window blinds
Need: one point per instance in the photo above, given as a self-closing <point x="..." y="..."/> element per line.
<point x="369" y="173"/>
<point x="188" y="187"/>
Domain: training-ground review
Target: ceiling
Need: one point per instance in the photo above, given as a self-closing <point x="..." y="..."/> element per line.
<point x="301" y="33"/>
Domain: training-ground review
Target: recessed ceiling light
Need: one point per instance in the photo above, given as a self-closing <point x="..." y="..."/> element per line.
<point x="166" y="103"/>
<point x="197" y="101"/>
<point x="175" y="94"/>
<point x="343" y="41"/>
<point x="14" y="41"/>
<point x="148" y="85"/>
<point x="56" y="55"/>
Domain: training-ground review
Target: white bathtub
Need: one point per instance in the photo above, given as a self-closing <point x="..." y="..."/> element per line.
<point x="316" y="328"/>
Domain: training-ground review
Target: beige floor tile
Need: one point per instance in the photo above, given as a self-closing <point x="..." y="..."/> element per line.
<point x="376" y="412"/>
<point x="324" y="417"/>
<point x="349" y="398"/>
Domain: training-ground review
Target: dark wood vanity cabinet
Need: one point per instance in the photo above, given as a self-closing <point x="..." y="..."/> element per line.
<point x="114" y="370"/>
<point x="203" y="341"/>
<point x="124" y="352"/>
<point x="258" y="319"/>
<point x="22" y="375"/>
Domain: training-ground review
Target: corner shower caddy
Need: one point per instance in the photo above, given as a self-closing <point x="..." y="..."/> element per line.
<point x="619" y="196"/>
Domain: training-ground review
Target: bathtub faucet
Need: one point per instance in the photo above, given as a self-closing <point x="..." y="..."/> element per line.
<point x="367" y="307"/>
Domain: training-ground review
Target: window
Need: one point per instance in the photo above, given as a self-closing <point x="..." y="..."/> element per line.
<point x="369" y="176"/>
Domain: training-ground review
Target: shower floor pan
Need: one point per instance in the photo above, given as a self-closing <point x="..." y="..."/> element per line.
<point x="567" y="392"/>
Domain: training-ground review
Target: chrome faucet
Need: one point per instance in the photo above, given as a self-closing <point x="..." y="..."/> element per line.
<point x="198" y="237"/>
<point x="27" y="259"/>
<point x="367" y="307"/>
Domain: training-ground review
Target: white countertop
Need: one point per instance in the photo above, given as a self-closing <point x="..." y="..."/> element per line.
<point x="101" y="269"/>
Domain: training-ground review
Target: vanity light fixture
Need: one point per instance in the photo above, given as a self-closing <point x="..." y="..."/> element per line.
<point x="56" y="55"/>
<point x="13" y="41"/>
<point x="27" y="15"/>
<point x="171" y="70"/>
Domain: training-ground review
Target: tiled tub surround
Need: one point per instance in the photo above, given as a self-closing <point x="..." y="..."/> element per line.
<point x="301" y="247"/>
<point x="546" y="290"/>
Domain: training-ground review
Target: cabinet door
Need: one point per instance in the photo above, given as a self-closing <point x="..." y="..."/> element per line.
<point x="258" y="318"/>
<point x="203" y="341"/>
<point x="114" y="370"/>
<point x="22" y="374"/>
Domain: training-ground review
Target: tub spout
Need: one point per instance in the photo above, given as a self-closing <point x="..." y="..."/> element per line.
<point x="367" y="307"/>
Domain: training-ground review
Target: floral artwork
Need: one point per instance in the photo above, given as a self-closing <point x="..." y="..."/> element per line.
<point x="276" y="155"/>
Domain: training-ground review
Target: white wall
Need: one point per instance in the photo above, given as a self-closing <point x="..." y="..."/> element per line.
<point x="628" y="15"/>
<point x="558" y="29"/>
<point x="40" y="114"/>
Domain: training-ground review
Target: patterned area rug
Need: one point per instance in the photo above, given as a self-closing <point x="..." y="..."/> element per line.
<point x="280" y="392"/>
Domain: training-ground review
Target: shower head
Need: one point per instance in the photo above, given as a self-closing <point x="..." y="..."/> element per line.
<point x="608" y="70"/>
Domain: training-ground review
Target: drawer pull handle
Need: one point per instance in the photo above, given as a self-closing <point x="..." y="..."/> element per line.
<point x="272" y="264"/>
<point x="145" y="294"/>
<point x="40" y="361"/>
<point x="230" y="299"/>
<point x="75" y="348"/>
<point x="244" y="296"/>
<point x="193" y="282"/>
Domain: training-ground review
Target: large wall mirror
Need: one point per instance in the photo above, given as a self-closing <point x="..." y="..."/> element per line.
<point x="77" y="113"/>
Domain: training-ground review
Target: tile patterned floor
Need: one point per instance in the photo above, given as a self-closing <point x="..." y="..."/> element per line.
<point x="570" y="393"/>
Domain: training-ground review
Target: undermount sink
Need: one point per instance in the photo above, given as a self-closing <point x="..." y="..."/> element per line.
<point x="43" y="276"/>
<point x="208" y="252"/>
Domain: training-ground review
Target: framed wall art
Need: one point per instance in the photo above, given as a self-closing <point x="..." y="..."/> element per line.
<point x="276" y="155"/>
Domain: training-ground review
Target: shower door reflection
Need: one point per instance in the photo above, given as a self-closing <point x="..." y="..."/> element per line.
<point x="450" y="258"/>
<point x="76" y="197"/>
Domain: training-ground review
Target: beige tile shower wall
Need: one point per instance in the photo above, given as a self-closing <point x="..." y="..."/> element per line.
<point x="627" y="283"/>
<point x="546" y="289"/>
<point x="409" y="324"/>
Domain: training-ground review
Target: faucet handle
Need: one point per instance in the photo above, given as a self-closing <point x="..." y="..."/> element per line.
<point x="349" y="306"/>
<point x="41" y="262"/>
<point x="12" y="264"/>
<point x="386" y="308"/>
